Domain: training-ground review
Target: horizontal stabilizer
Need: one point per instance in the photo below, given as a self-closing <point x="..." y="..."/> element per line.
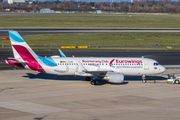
<point x="15" y="62"/>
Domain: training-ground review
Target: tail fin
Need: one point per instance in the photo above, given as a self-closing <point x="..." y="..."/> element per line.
<point x="20" y="48"/>
<point x="23" y="53"/>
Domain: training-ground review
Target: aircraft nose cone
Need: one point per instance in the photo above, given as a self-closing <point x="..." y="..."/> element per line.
<point x="163" y="69"/>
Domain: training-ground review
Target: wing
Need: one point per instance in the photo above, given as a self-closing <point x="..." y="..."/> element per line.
<point x="95" y="73"/>
<point x="98" y="73"/>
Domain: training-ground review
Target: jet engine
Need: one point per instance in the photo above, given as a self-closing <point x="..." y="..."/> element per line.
<point x="114" y="77"/>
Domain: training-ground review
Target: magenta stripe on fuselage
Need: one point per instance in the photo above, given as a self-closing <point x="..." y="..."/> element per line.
<point x="27" y="57"/>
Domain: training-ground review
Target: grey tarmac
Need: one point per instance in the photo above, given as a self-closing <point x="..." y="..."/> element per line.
<point x="30" y="95"/>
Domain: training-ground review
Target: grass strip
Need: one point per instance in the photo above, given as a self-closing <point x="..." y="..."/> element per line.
<point x="97" y="21"/>
<point x="99" y="40"/>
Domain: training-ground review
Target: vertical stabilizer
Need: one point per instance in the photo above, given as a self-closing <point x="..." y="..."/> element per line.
<point x="19" y="46"/>
<point x="23" y="53"/>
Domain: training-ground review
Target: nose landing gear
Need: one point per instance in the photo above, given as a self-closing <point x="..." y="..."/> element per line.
<point x="144" y="79"/>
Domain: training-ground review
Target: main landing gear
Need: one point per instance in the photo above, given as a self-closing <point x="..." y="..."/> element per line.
<point x="93" y="82"/>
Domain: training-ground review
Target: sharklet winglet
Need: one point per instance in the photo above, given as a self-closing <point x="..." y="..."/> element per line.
<point x="62" y="54"/>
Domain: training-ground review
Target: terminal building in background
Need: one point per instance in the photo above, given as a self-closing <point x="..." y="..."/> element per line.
<point x="46" y="10"/>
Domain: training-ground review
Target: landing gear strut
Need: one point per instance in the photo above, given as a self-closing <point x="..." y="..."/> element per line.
<point x="143" y="79"/>
<point x="88" y="78"/>
<point x="93" y="82"/>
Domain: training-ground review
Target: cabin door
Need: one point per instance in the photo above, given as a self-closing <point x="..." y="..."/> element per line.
<point x="146" y="65"/>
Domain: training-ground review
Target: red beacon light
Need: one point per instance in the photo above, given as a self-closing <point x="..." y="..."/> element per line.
<point x="4" y="38"/>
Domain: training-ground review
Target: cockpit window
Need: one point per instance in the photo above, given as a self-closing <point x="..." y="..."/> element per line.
<point x="155" y="64"/>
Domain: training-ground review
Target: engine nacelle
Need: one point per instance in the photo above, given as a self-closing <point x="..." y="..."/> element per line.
<point x="114" y="77"/>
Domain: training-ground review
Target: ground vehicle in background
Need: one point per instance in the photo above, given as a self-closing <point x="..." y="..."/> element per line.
<point x="173" y="79"/>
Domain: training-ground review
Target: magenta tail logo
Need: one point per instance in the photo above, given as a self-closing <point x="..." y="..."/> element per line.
<point x="110" y="63"/>
<point x="28" y="57"/>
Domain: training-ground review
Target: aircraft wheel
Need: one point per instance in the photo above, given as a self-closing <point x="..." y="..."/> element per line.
<point x="144" y="81"/>
<point x="177" y="81"/>
<point x="93" y="82"/>
<point x="88" y="78"/>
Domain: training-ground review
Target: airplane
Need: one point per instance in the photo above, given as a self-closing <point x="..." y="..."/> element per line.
<point x="112" y="69"/>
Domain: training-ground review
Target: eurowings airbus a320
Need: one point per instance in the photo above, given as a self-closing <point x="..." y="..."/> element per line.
<point x="111" y="69"/>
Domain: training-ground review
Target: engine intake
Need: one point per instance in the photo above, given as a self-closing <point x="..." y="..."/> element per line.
<point x="114" y="77"/>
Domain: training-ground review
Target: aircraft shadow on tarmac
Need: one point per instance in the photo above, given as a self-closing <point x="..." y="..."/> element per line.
<point x="46" y="76"/>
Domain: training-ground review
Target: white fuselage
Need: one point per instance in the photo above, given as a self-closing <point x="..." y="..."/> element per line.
<point x="77" y="65"/>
